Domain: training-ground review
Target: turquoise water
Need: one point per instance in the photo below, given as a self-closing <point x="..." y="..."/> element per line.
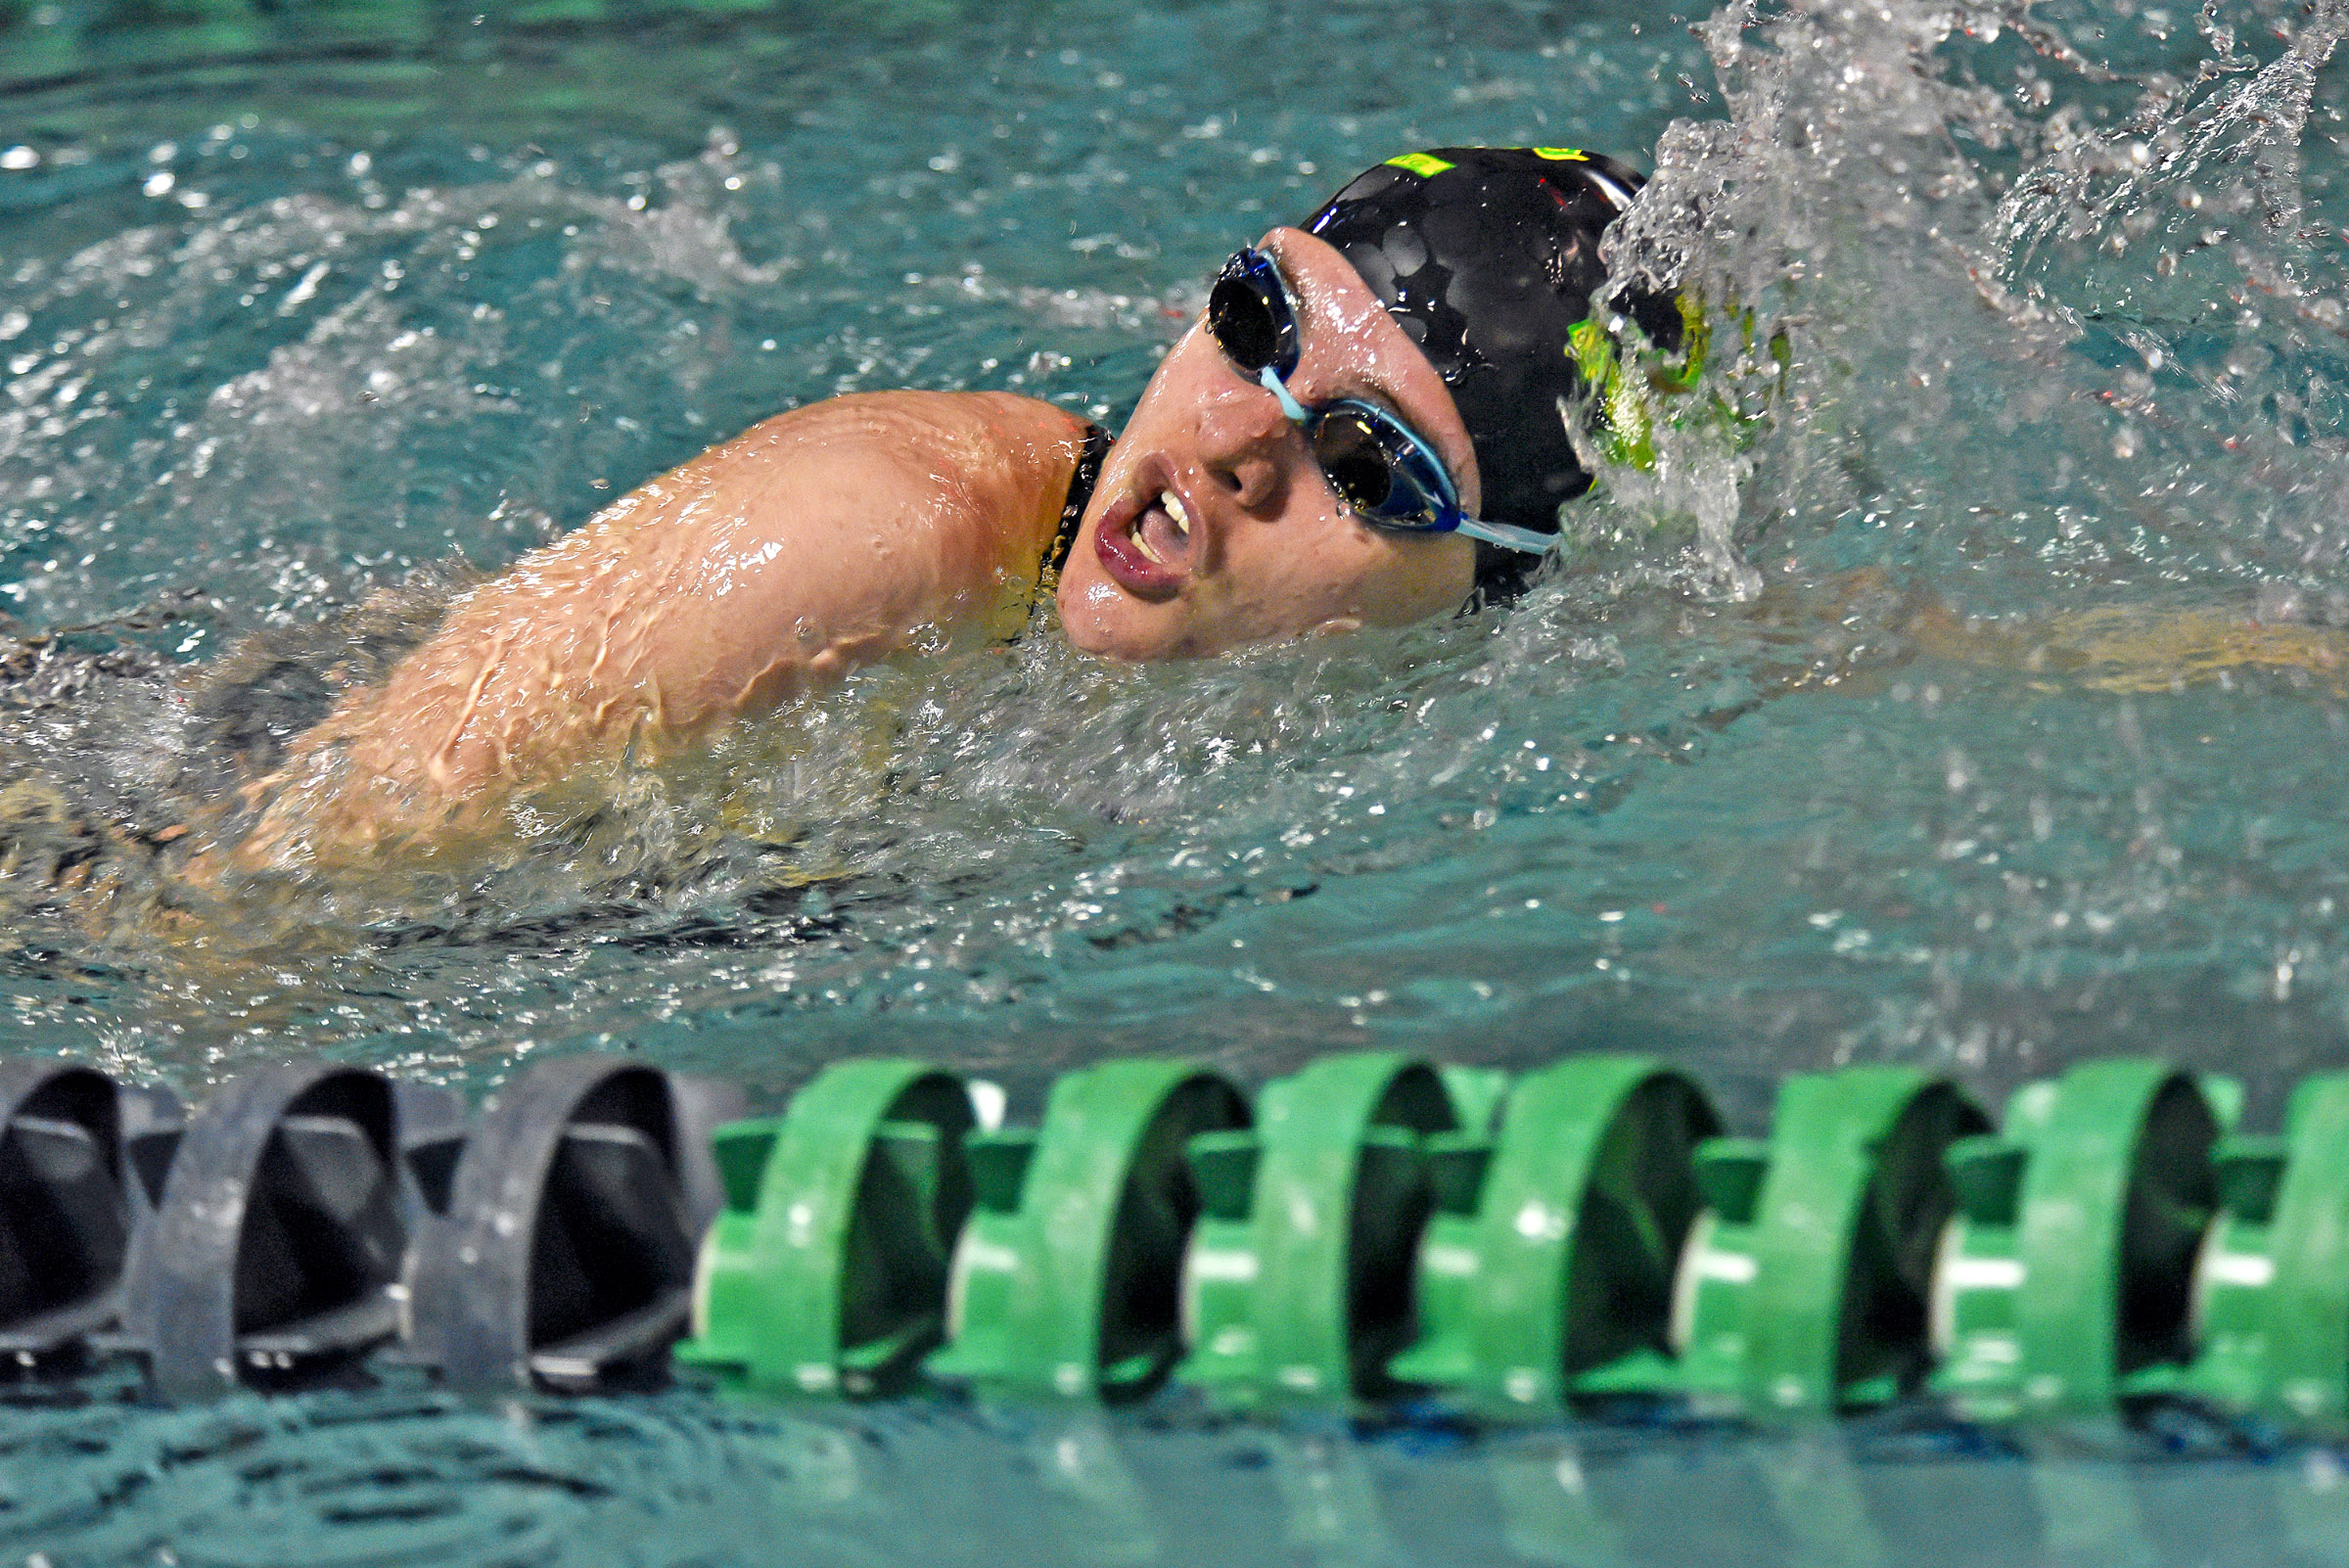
<point x="1977" y="706"/>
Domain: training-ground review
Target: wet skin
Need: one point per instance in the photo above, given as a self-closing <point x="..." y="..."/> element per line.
<point x="840" y="534"/>
<point x="771" y="565"/>
<point x="1270" y="552"/>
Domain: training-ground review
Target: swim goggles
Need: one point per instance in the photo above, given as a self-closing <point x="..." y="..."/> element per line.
<point x="1378" y="466"/>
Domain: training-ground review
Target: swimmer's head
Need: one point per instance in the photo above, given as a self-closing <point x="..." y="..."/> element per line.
<point x="1441" y="287"/>
<point x="1487" y="257"/>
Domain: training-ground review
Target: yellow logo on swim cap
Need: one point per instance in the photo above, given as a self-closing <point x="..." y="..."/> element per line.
<point x="1421" y="163"/>
<point x="1561" y="154"/>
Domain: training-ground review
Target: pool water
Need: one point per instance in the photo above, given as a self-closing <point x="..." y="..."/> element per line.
<point x="1973" y="702"/>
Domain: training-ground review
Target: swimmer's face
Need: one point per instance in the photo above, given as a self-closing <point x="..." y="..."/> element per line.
<point x="1270" y="552"/>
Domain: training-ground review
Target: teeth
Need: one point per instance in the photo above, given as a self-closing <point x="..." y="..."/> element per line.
<point x="1173" y="505"/>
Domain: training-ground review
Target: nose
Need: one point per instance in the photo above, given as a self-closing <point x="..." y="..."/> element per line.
<point x="1243" y="442"/>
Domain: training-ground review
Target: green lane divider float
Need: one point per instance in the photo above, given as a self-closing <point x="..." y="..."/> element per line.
<point x="1296" y="1280"/>
<point x="827" y="1270"/>
<point x="2273" y="1289"/>
<point x="1547" y="1268"/>
<point x="1066" y="1281"/>
<point x="1803" y="1289"/>
<point x="2067" y="1280"/>
<point x="1573" y="1239"/>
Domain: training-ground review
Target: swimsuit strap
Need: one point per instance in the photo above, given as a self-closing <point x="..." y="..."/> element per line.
<point x="1080" y="494"/>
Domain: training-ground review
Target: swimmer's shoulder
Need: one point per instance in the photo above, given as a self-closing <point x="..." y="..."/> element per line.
<point x="967" y="428"/>
<point x="1005" y="462"/>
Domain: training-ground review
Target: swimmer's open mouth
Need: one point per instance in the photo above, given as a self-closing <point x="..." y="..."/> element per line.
<point x="1145" y="543"/>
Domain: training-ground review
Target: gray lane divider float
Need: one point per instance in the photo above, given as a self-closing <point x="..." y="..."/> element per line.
<point x="564" y="1256"/>
<point x="82" y="1162"/>
<point x="277" y="1246"/>
<point x="311" y="1220"/>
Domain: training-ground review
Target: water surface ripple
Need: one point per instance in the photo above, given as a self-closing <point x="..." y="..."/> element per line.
<point x="1974" y="700"/>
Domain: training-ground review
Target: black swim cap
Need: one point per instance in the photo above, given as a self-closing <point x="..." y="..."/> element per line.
<point x="1487" y="257"/>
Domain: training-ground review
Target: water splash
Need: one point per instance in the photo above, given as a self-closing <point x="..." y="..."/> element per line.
<point x="2035" y="325"/>
<point x="1875" y="715"/>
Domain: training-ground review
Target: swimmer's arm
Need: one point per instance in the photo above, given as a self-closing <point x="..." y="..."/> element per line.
<point x="821" y="540"/>
<point x="2118" y="649"/>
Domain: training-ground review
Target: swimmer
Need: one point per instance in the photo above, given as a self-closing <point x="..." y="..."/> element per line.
<point x="1375" y="420"/>
<point x="1372" y="422"/>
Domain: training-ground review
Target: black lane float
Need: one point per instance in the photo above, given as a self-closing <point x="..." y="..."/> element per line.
<point x="82" y="1162"/>
<point x="1581" y="1238"/>
<point x="309" y="1216"/>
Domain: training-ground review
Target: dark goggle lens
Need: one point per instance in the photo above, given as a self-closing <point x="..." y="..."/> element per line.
<point x="1354" y="461"/>
<point x="1243" y="323"/>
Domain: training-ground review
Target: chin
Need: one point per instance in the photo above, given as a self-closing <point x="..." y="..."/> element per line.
<point x="1106" y="623"/>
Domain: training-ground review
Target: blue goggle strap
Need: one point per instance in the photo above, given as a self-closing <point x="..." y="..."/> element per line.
<point x="1508" y="535"/>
